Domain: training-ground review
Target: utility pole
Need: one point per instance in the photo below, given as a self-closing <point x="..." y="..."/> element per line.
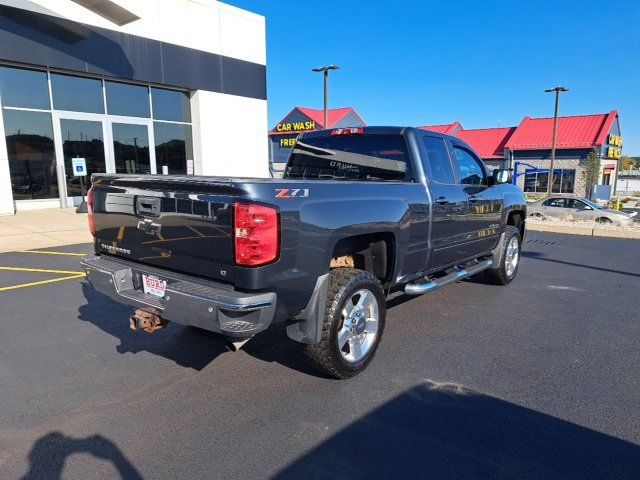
<point x="325" y="71"/>
<point x="558" y="91"/>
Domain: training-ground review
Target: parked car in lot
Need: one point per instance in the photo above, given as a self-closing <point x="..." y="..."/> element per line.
<point x="569" y="206"/>
<point x="360" y="213"/>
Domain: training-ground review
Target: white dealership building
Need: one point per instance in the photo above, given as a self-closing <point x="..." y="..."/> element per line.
<point x="131" y="86"/>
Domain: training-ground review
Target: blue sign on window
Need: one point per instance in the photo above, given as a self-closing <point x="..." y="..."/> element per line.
<point x="79" y="167"/>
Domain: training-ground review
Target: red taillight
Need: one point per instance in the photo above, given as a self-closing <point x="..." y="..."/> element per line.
<point x="92" y="222"/>
<point x="348" y="131"/>
<point x="257" y="234"/>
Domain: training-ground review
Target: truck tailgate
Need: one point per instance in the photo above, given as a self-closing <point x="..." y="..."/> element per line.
<point x="182" y="224"/>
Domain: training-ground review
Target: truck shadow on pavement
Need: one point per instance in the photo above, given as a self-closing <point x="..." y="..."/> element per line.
<point x="50" y="452"/>
<point x="445" y="431"/>
<point x="188" y="347"/>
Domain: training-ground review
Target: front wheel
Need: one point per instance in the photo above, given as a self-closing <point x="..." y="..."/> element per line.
<point x="353" y="323"/>
<point x="509" y="260"/>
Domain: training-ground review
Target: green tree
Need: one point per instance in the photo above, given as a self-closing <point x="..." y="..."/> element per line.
<point x="590" y="173"/>
<point x="627" y="163"/>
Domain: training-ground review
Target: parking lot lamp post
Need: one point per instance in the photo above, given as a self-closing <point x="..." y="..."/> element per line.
<point x="558" y="91"/>
<point x="325" y="70"/>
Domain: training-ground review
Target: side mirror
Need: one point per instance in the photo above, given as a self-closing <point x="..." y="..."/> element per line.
<point x="501" y="175"/>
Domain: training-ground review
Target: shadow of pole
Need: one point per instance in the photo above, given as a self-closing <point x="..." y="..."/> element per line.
<point x="49" y="454"/>
<point x="445" y="431"/>
<point x="539" y="256"/>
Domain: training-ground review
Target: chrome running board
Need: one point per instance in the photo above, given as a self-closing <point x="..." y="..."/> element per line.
<point x="429" y="286"/>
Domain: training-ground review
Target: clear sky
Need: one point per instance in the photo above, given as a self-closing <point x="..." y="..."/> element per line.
<point x="483" y="63"/>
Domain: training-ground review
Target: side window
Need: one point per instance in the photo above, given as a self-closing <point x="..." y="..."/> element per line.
<point x="573" y="203"/>
<point x="470" y="169"/>
<point x="438" y="160"/>
<point x="555" y="202"/>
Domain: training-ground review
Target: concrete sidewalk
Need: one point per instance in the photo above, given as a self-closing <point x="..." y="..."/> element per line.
<point x="42" y="229"/>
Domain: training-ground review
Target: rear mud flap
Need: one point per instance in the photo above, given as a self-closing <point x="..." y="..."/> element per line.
<point x="307" y="326"/>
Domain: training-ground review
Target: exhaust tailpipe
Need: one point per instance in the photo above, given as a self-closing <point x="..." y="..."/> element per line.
<point x="235" y="344"/>
<point x="146" y="320"/>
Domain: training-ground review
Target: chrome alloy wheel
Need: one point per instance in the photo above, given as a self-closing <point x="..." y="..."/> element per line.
<point x="359" y="326"/>
<point x="512" y="257"/>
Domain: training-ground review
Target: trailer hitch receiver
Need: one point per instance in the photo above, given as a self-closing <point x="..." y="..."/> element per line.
<point x="147" y="320"/>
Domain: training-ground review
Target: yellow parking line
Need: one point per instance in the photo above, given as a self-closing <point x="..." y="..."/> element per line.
<point x="42" y="282"/>
<point x="195" y="231"/>
<point x="41" y="270"/>
<point x="45" y="252"/>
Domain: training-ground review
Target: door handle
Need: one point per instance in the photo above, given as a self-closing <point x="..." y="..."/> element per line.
<point x="442" y="201"/>
<point x="148" y="206"/>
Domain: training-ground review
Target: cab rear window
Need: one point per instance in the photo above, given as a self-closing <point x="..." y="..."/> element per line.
<point x="351" y="157"/>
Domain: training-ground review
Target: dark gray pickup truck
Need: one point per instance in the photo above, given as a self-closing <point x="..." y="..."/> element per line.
<point x="359" y="214"/>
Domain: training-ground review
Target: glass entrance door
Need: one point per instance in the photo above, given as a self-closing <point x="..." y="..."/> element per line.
<point x="80" y="135"/>
<point x="130" y="143"/>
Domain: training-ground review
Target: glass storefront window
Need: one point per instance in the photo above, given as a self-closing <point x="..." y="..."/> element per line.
<point x="563" y="182"/>
<point x="77" y="94"/>
<point x="24" y="88"/>
<point x="173" y="146"/>
<point x="81" y="138"/>
<point x="32" y="160"/>
<point x="128" y="100"/>
<point x="131" y="148"/>
<point x="170" y="105"/>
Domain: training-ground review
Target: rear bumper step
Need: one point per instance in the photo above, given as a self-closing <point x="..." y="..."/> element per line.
<point x="429" y="286"/>
<point x="218" y="309"/>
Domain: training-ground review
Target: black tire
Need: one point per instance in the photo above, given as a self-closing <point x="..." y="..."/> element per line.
<point x="502" y="275"/>
<point x="604" y="220"/>
<point x="326" y="355"/>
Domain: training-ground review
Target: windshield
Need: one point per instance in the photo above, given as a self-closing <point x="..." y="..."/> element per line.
<point x="350" y="157"/>
<point x="592" y="204"/>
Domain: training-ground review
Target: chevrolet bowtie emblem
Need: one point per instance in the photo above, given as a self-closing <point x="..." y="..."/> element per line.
<point x="148" y="227"/>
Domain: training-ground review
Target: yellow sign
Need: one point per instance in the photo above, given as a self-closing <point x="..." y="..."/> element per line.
<point x="287" y="142"/>
<point x="296" y="126"/>
<point x="613" y="152"/>
<point x="615" y="140"/>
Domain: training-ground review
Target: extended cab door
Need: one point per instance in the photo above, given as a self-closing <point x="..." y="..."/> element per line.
<point x="449" y="203"/>
<point x="484" y="203"/>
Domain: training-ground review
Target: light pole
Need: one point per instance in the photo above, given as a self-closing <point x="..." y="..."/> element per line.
<point x="325" y="70"/>
<point x="558" y="91"/>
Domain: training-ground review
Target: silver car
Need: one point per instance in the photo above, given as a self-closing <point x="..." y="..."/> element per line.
<point x="564" y="206"/>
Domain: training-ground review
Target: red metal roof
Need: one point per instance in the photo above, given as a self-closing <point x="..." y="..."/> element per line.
<point x="487" y="142"/>
<point x="317" y="115"/>
<point x="334" y="115"/>
<point x="447" y="128"/>
<point x="580" y="131"/>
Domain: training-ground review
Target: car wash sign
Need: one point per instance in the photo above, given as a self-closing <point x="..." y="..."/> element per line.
<point x="295" y="126"/>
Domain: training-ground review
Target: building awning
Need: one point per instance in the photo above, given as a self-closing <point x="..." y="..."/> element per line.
<point x="608" y="168"/>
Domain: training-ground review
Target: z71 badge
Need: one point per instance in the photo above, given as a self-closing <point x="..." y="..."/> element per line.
<point x="292" y="192"/>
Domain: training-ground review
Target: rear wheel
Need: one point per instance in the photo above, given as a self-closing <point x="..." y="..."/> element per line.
<point x="354" y="320"/>
<point x="604" y="220"/>
<point x="510" y="259"/>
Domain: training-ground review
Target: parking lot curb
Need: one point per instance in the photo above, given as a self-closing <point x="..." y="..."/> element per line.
<point x="602" y="232"/>
<point x="591" y="232"/>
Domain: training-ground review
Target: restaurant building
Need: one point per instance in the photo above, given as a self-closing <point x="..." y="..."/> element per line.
<point x="144" y="86"/>
<point x="526" y="148"/>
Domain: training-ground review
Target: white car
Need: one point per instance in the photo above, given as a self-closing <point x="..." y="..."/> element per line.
<point x="565" y="206"/>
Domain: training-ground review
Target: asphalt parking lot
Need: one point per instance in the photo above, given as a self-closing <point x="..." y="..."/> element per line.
<point x="539" y="380"/>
